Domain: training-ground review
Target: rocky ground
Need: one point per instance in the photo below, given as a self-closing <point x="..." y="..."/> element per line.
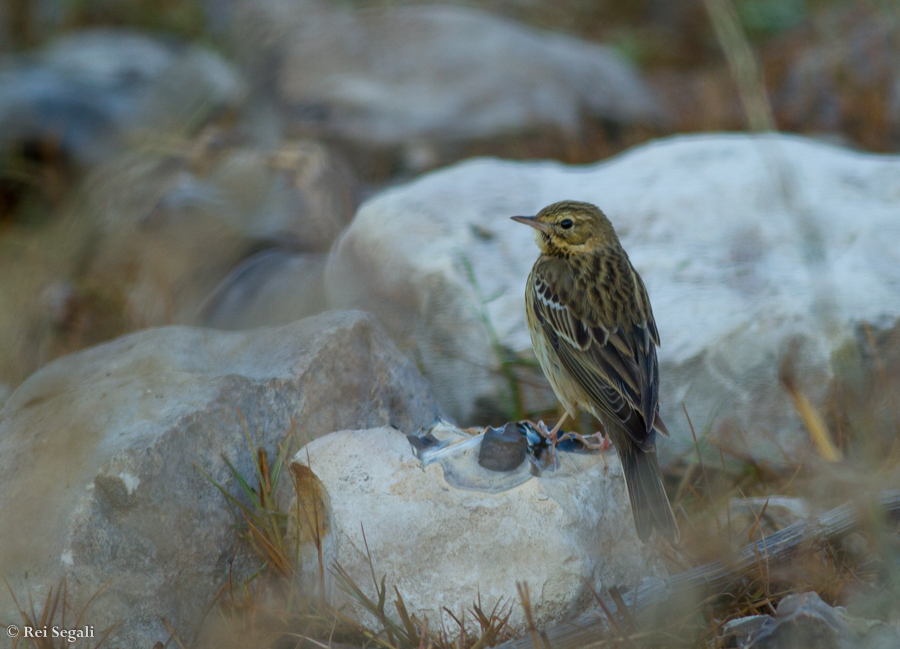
<point x="240" y="237"/>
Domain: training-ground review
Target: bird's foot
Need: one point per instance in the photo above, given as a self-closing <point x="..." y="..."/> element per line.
<point x="540" y="427"/>
<point x="603" y="441"/>
<point x="552" y="436"/>
<point x="595" y="442"/>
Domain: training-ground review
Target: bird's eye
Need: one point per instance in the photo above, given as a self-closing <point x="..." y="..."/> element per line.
<point x="565" y="224"/>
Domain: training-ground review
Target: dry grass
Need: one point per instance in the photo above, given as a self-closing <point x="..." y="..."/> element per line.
<point x="56" y="613"/>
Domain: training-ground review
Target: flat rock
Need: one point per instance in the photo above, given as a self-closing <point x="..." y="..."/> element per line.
<point x="736" y="632"/>
<point x="97" y="449"/>
<point x="449" y="533"/>
<point x="744" y="243"/>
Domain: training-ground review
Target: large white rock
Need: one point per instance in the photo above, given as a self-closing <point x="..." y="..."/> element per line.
<point x="750" y="247"/>
<point x="444" y="546"/>
<point x="96" y="452"/>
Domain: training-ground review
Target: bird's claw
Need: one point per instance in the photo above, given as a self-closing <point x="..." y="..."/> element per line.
<point x="542" y="430"/>
<point x="602" y="442"/>
<point x="551" y="436"/>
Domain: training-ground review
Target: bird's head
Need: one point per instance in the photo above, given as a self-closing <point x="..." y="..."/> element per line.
<point x="570" y="228"/>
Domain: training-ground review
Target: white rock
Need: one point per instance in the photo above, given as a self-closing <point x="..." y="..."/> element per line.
<point x="734" y="281"/>
<point x="443" y="546"/>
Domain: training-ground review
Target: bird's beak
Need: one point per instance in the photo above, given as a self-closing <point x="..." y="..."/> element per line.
<point x="533" y="222"/>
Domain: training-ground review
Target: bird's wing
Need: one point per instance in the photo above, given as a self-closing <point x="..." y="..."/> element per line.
<point x="615" y="364"/>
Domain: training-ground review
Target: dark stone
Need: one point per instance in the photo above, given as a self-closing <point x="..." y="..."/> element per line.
<point x="502" y="450"/>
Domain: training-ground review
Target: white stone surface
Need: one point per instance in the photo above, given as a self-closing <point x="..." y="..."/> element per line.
<point x="442" y="546"/>
<point x="734" y="275"/>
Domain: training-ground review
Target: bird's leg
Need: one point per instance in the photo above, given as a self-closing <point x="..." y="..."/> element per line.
<point x="551" y="435"/>
<point x="603" y="442"/>
<point x="604" y="445"/>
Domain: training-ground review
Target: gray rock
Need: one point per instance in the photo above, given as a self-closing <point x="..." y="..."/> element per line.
<point x="877" y="634"/>
<point x="152" y="236"/>
<point x="91" y="89"/>
<point x="273" y="287"/>
<point x="395" y="75"/>
<point x="874" y="634"/>
<point x="736" y="632"/>
<point x="450" y="533"/>
<point x="804" y="621"/>
<point x="96" y="453"/>
<point x="736" y="282"/>
<point x="172" y="229"/>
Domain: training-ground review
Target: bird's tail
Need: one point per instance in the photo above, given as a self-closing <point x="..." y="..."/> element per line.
<point x="649" y="503"/>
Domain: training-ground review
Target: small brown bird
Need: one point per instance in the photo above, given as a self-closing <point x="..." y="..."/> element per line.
<point x="595" y="338"/>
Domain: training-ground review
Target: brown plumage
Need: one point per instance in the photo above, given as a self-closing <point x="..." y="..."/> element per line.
<point x="595" y="337"/>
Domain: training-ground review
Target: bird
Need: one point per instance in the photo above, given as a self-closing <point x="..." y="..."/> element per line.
<point x="595" y="338"/>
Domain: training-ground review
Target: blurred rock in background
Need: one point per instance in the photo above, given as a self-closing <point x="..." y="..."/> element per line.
<point x="273" y="287"/>
<point x="152" y="234"/>
<point x="422" y="82"/>
<point x="173" y="227"/>
<point x="88" y="93"/>
<point x="843" y="77"/>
